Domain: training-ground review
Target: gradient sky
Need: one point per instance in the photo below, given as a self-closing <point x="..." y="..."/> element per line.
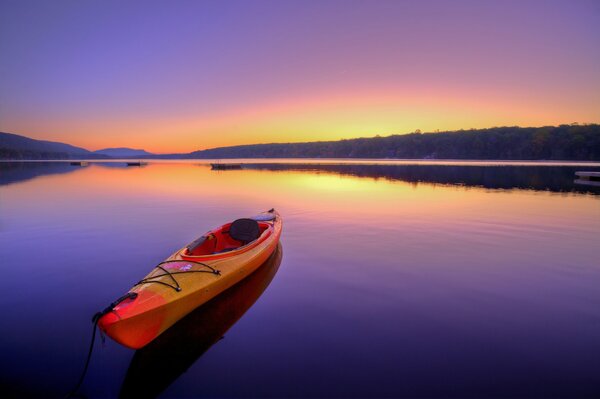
<point x="177" y="76"/>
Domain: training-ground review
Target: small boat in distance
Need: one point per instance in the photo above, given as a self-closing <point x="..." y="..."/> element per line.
<point x="225" y="166"/>
<point x="79" y="163"/>
<point x="190" y="277"/>
<point x="588" y="178"/>
<point x="137" y="163"/>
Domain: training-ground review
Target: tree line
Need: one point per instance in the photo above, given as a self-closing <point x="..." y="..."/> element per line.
<point x="564" y="142"/>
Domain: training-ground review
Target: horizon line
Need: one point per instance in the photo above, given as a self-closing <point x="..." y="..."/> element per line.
<point x="416" y="131"/>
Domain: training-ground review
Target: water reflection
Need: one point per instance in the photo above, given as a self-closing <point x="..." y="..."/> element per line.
<point x="391" y="288"/>
<point x="552" y="177"/>
<point x="154" y="367"/>
<point x="16" y="172"/>
<point x="538" y="178"/>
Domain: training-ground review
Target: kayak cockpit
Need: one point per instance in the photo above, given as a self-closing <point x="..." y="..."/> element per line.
<point x="229" y="237"/>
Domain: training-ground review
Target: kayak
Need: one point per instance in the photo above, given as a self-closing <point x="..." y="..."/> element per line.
<point x="181" y="345"/>
<point x="190" y="277"/>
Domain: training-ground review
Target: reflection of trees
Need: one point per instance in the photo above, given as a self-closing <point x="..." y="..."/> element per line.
<point x="14" y="172"/>
<point x="541" y="178"/>
<point x="18" y="171"/>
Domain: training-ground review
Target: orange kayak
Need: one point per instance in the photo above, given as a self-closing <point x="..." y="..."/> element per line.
<point x="190" y="277"/>
<point x="181" y="345"/>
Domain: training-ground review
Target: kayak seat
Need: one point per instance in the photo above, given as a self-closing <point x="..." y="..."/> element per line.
<point x="228" y="237"/>
<point x="244" y="230"/>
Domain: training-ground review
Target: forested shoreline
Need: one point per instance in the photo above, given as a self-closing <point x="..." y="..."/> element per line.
<point x="565" y="142"/>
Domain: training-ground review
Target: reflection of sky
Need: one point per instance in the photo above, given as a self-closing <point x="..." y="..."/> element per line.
<point x="442" y="285"/>
<point x="179" y="77"/>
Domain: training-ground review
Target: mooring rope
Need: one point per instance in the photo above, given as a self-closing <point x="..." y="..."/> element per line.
<point x="95" y="318"/>
<point x="133" y="295"/>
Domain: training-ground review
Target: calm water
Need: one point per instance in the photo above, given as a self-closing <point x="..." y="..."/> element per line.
<point x="393" y="280"/>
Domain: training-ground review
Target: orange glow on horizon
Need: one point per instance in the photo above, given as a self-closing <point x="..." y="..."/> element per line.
<point x="215" y="75"/>
<point x="321" y="116"/>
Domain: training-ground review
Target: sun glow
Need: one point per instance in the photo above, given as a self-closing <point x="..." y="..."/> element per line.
<point x="322" y="117"/>
<point x="359" y="71"/>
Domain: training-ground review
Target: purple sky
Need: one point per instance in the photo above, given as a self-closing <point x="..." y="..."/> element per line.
<point x="167" y="75"/>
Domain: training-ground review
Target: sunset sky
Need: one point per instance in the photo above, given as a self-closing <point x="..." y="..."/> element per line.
<point x="177" y="76"/>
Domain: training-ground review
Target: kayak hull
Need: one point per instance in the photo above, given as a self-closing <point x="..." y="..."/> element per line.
<point x="180" y="285"/>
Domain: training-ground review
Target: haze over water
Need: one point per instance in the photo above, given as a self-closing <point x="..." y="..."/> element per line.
<point x="395" y="280"/>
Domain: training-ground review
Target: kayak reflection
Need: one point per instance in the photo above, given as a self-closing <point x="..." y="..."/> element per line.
<point x="182" y="344"/>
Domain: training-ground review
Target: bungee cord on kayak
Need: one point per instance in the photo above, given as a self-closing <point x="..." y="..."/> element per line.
<point x="176" y="287"/>
<point x="133" y="295"/>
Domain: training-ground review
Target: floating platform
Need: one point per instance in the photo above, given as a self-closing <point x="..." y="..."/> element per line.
<point x="137" y="163"/>
<point x="225" y="166"/>
<point x="79" y="163"/>
<point x="588" y="178"/>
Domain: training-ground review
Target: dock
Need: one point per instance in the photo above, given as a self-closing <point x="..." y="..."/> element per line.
<point x="136" y="163"/>
<point x="225" y="166"/>
<point x="79" y="163"/>
<point x="588" y="178"/>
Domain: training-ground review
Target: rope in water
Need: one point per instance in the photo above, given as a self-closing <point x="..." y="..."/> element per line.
<point x="95" y="318"/>
<point x="133" y="295"/>
<point x="87" y="363"/>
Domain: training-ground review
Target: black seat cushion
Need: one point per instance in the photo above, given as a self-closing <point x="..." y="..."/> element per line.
<point x="244" y="230"/>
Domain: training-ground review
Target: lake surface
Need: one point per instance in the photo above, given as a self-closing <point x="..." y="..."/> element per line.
<point x="393" y="280"/>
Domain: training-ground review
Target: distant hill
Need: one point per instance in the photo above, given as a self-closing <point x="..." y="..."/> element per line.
<point x="14" y="146"/>
<point x="123" y="152"/>
<point x="565" y="142"/>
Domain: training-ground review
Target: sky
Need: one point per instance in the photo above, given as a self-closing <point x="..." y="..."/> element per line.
<point x="178" y="76"/>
